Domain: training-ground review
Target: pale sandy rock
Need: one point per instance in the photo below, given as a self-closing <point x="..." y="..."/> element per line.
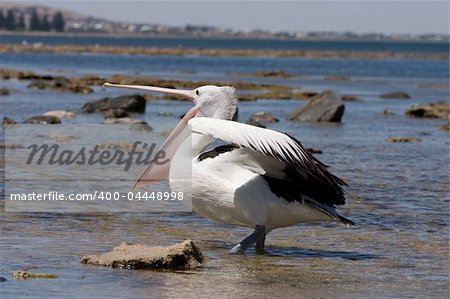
<point x="60" y="114"/>
<point x="184" y="255"/>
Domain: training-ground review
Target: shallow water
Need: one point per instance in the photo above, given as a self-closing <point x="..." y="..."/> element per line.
<point x="187" y="66"/>
<point x="399" y="198"/>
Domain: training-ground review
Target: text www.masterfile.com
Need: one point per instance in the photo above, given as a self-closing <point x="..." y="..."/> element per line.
<point x="96" y="195"/>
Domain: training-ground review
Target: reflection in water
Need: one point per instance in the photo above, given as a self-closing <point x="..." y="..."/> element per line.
<point x="311" y="253"/>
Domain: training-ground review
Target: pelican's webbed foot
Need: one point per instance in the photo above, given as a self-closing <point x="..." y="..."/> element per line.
<point x="257" y="237"/>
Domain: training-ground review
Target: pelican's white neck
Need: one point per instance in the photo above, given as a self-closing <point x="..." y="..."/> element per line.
<point x="199" y="143"/>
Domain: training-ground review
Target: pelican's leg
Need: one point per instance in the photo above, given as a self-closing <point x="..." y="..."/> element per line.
<point x="259" y="244"/>
<point x="255" y="237"/>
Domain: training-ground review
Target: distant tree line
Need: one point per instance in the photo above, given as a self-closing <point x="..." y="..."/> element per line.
<point x="9" y="20"/>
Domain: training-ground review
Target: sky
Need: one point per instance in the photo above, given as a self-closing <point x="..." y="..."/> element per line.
<point x="389" y="17"/>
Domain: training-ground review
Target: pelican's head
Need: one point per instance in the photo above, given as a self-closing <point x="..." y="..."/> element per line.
<point x="215" y="101"/>
<point x="210" y="101"/>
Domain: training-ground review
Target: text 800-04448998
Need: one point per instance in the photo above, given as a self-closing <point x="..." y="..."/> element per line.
<point x="155" y="195"/>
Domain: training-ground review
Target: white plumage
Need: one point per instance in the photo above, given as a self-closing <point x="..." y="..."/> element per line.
<point x="265" y="141"/>
<point x="236" y="192"/>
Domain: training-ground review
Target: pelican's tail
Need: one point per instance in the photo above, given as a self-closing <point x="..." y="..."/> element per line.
<point x="345" y="221"/>
<point x="328" y="210"/>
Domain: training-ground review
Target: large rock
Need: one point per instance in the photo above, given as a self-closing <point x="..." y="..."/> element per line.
<point x="324" y="107"/>
<point x="433" y="110"/>
<point x="184" y="255"/>
<point x="128" y="103"/>
<point x="43" y="119"/>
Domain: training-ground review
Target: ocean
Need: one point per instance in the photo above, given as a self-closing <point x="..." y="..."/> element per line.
<point x="222" y="43"/>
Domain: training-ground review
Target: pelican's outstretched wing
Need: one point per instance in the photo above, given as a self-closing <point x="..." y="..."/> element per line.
<point x="277" y="145"/>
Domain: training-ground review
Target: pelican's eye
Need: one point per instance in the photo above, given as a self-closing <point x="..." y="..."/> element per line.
<point x="197" y="92"/>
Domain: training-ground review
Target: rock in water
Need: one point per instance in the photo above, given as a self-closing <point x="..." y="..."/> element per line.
<point x="128" y="103"/>
<point x="43" y="119"/>
<point x="6" y="91"/>
<point x="433" y="110"/>
<point x="8" y="121"/>
<point x="60" y="114"/>
<point x="30" y="275"/>
<point x="275" y="73"/>
<point x="60" y="84"/>
<point x="255" y="123"/>
<point x="123" y="121"/>
<point x="324" y="107"/>
<point x="262" y="117"/>
<point x="11" y="146"/>
<point x="445" y="127"/>
<point x="184" y="255"/>
<point x="403" y="139"/>
<point x="388" y="112"/>
<point x="396" y="95"/>
<point x="350" y="98"/>
<point x="141" y="127"/>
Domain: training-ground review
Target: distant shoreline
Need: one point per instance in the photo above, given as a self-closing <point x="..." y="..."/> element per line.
<point x="155" y="51"/>
<point x="168" y="36"/>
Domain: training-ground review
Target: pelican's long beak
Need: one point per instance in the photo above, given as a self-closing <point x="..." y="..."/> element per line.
<point x="186" y="93"/>
<point x="155" y="172"/>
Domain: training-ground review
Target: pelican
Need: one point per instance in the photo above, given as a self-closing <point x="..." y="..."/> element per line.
<point x="260" y="178"/>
